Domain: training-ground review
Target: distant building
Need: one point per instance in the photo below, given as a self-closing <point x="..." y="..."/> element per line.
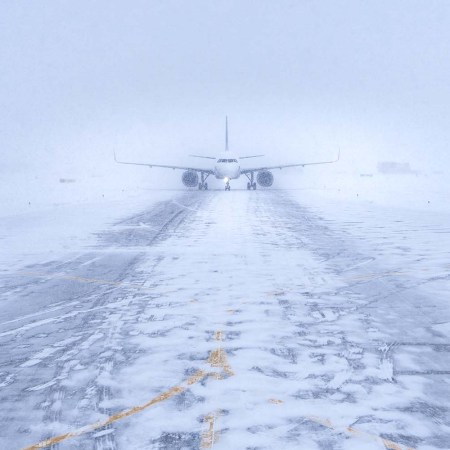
<point x="391" y="167"/>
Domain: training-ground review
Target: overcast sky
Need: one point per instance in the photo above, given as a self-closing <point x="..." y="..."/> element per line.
<point x="155" y="79"/>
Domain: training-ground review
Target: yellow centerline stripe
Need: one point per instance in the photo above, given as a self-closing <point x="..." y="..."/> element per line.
<point x="210" y="436"/>
<point x="217" y="358"/>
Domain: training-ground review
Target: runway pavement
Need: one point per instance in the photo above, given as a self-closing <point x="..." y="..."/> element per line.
<point x="226" y="320"/>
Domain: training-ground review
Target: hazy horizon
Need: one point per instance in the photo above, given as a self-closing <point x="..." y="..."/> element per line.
<point x="154" y="81"/>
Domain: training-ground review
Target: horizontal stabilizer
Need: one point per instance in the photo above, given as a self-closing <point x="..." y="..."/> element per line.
<point x="205" y="157"/>
<point x="252" y="156"/>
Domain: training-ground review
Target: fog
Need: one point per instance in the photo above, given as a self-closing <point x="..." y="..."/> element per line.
<point x="139" y="313"/>
<point x="153" y="81"/>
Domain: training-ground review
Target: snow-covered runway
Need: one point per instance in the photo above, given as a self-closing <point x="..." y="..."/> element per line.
<point x="233" y="320"/>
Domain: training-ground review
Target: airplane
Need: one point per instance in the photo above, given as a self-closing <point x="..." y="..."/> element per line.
<point x="227" y="167"/>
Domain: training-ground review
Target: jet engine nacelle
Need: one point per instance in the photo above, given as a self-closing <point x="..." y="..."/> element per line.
<point x="264" y="178"/>
<point x="190" y="178"/>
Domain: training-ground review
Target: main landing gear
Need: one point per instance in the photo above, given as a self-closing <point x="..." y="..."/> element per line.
<point x="203" y="184"/>
<point x="251" y="181"/>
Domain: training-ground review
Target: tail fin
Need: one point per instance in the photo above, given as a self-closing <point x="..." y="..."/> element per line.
<point x="226" y="133"/>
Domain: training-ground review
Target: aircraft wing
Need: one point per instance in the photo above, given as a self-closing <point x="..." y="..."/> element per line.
<point x="283" y="166"/>
<point x="195" y="169"/>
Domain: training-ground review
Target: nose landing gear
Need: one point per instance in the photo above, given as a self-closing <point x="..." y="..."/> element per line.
<point x="227" y="186"/>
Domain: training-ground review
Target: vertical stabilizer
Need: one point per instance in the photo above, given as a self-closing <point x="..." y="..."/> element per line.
<point x="226" y="133"/>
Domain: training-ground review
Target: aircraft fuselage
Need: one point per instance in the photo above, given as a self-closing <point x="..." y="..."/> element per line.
<point x="227" y="167"/>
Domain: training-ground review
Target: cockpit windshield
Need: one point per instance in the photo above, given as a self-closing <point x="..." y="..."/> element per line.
<point x="227" y="160"/>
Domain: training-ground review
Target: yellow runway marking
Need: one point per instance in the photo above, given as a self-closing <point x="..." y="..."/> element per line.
<point x="217" y="358"/>
<point x="350" y="430"/>
<point x="355" y="432"/>
<point x="210" y="436"/>
<point x="373" y="276"/>
<point x="176" y="390"/>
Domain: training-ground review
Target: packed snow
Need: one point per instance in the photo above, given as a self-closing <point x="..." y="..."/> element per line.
<point x="306" y="318"/>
